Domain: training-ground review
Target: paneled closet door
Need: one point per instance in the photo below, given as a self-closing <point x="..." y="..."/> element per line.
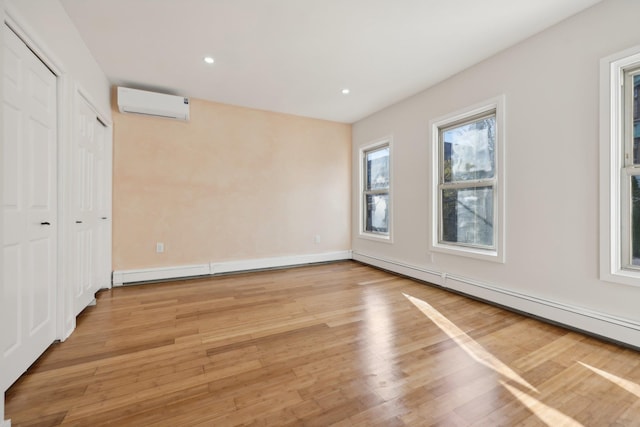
<point x="28" y="316"/>
<point x="91" y="205"/>
<point x="103" y="179"/>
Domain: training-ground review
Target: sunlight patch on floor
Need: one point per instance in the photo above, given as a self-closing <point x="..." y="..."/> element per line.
<point x="468" y="344"/>
<point x="546" y="414"/>
<point x="630" y="386"/>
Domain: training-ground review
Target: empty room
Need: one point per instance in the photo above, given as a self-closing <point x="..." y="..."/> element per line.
<point x="320" y="213"/>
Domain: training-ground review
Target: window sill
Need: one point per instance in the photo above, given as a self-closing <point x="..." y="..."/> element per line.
<point x="376" y="237"/>
<point x="622" y="277"/>
<point x="481" y="254"/>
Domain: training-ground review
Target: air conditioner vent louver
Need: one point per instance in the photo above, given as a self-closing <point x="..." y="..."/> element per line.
<point x="152" y="104"/>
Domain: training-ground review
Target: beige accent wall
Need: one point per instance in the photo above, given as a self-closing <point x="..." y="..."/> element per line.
<point x="231" y="184"/>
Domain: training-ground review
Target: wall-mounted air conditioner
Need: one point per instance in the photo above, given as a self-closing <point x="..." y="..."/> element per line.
<point x="152" y="104"/>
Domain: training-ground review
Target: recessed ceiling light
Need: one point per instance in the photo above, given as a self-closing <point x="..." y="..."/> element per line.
<point x="209" y="60"/>
<point x="345" y="91"/>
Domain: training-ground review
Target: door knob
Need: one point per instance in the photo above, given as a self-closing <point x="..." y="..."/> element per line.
<point x="78" y="222"/>
<point x="45" y="223"/>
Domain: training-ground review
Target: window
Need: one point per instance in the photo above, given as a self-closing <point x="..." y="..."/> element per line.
<point x="467" y="192"/>
<point x="376" y="202"/>
<point x="630" y="221"/>
<point x="620" y="168"/>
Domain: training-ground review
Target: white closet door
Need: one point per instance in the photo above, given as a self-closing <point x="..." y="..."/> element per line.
<point x="91" y="207"/>
<point x="102" y="255"/>
<point x="29" y="203"/>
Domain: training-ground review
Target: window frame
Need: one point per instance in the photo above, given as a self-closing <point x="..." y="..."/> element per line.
<point x="616" y="166"/>
<point x="629" y="168"/>
<point x="494" y="253"/>
<point x="363" y="233"/>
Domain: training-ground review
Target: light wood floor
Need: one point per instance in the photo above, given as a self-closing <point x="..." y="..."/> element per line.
<point x="338" y="344"/>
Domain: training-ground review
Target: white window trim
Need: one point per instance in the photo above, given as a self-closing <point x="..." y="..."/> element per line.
<point x="498" y="253"/>
<point x="379" y="143"/>
<point x="611" y="165"/>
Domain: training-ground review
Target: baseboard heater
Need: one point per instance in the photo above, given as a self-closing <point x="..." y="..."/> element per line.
<point x="130" y="277"/>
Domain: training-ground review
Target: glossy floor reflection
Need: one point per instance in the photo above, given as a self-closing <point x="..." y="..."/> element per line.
<point x="627" y="385"/>
<point x="546" y="413"/>
<point x="469" y="345"/>
<point x="340" y="344"/>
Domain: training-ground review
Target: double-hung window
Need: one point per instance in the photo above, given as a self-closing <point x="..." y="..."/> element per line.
<point x="376" y="201"/>
<point x="630" y="200"/>
<point x="467" y="192"/>
<point x="620" y="168"/>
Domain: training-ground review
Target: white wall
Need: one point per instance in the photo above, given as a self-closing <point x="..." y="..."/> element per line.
<point x="551" y="84"/>
<point x="50" y="33"/>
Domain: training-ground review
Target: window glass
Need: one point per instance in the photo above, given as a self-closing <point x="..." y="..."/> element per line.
<point x="377" y="213"/>
<point x="635" y="220"/>
<point x="636" y="120"/>
<point x="469" y="151"/>
<point x="377" y="169"/>
<point x="467" y="216"/>
<point x="467" y="169"/>
<point x="375" y="192"/>
<point x="630" y="199"/>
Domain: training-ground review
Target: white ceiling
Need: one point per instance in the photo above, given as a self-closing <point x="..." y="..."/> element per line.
<point x="295" y="56"/>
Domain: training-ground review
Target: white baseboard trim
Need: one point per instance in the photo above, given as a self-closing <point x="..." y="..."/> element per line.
<point x="122" y="277"/>
<point x="276" y="262"/>
<point x="408" y="270"/>
<point x="6" y="423"/>
<point x="602" y="324"/>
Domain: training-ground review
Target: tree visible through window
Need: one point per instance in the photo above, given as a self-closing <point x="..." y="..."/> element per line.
<point x="632" y="86"/>
<point x="376" y="190"/>
<point x="467" y="180"/>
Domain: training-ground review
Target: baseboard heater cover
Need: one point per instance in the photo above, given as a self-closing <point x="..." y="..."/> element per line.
<point x="125" y="277"/>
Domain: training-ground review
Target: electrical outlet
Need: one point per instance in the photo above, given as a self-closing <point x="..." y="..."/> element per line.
<point x="159" y="247"/>
<point x="316" y="239"/>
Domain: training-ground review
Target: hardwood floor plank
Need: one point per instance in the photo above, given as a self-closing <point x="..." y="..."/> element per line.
<point x="122" y="398"/>
<point x="336" y="344"/>
<point x="142" y="411"/>
<point x="47" y="420"/>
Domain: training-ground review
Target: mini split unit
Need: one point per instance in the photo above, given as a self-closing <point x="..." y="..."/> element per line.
<point x="152" y="104"/>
